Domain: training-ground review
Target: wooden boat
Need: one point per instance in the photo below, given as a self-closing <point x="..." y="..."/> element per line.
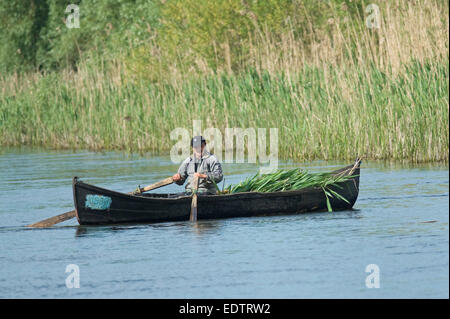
<point x="96" y="206"/>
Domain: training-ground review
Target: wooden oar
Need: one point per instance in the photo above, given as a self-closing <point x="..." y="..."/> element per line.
<point x="164" y="182"/>
<point x="193" y="217"/>
<point x="66" y="216"/>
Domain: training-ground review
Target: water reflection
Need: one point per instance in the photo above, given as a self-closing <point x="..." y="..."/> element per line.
<point x="201" y="227"/>
<point x="204" y="227"/>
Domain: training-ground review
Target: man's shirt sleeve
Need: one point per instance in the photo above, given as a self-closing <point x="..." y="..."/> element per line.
<point x="216" y="173"/>
<point x="183" y="171"/>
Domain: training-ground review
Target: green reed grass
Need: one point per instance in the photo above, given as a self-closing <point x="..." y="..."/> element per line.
<point x="332" y="113"/>
<point x="291" y="179"/>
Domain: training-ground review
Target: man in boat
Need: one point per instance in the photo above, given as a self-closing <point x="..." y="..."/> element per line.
<point x="202" y="164"/>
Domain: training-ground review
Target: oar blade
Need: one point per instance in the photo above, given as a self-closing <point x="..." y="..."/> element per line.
<point x="53" y="220"/>
<point x="193" y="216"/>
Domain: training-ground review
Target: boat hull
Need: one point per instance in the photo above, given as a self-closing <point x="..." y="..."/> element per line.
<point x="99" y="206"/>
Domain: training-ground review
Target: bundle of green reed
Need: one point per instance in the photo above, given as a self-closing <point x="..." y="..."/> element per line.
<point x="291" y="179"/>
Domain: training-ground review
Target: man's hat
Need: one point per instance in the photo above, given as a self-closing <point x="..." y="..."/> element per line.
<point x="197" y="141"/>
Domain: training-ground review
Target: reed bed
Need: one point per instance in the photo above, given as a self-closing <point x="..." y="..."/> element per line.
<point x="379" y="93"/>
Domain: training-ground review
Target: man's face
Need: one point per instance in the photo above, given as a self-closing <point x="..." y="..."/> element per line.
<point x="198" y="150"/>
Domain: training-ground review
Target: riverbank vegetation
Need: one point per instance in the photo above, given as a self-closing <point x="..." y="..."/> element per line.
<point x="332" y="78"/>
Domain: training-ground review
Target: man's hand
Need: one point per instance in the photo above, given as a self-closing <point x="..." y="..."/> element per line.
<point x="176" y="177"/>
<point x="200" y="175"/>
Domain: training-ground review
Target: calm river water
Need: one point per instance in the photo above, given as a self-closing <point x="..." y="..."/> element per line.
<point x="399" y="223"/>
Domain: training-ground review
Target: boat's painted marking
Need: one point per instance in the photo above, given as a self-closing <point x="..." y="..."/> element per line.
<point x="98" y="202"/>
